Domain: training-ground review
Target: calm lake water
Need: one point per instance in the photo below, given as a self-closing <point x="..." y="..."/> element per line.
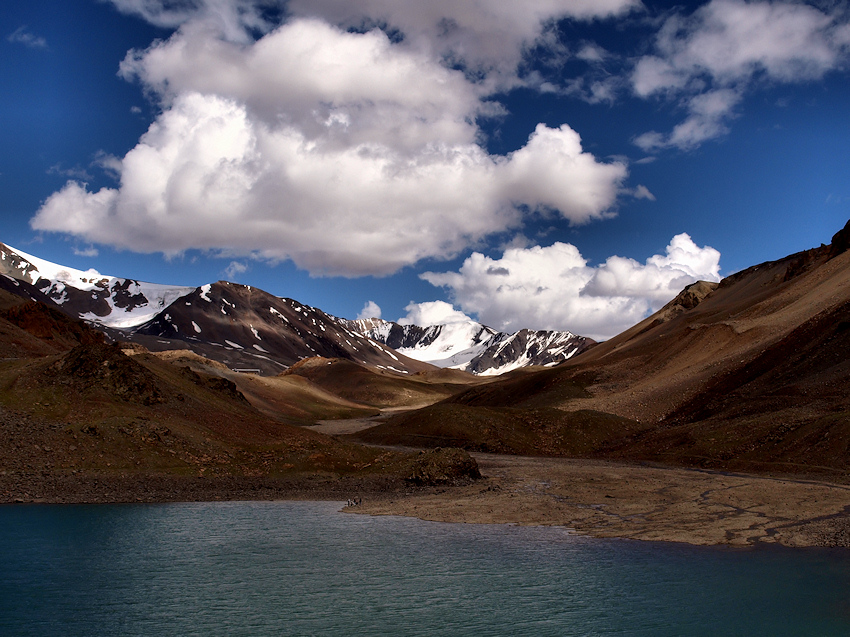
<point x="302" y="568"/>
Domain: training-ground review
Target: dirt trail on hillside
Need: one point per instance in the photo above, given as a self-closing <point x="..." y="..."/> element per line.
<point x="607" y="499"/>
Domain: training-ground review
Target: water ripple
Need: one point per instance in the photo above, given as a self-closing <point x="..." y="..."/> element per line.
<point x="299" y="568"/>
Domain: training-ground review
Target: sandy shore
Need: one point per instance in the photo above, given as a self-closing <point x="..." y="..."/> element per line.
<point x="606" y="499"/>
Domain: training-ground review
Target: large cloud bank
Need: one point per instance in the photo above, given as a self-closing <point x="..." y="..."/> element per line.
<point x="347" y="151"/>
<point x="554" y="288"/>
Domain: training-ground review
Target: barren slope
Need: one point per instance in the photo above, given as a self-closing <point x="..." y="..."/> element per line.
<point x="80" y="420"/>
<point x="380" y="388"/>
<point x="750" y="375"/>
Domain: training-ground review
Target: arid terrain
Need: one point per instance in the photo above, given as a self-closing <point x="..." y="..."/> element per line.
<point x="644" y="501"/>
<point x="748" y="375"/>
<point x="723" y="418"/>
<point x="612" y="499"/>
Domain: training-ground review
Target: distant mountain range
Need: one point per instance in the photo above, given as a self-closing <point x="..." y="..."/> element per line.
<point x="248" y="329"/>
<point x="474" y="347"/>
<point x="243" y="327"/>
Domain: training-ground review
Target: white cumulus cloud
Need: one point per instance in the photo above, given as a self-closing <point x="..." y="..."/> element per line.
<point x="432" y="313"/>
<point x="232" y="271"/>
<point x="370" y="310"/>
<point x="708" y="60"/>
<point x="346" y="152"/>
<point x="554" y="287"/>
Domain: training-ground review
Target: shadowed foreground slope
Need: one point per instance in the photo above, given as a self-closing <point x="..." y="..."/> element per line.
<point x="81" y="420"/>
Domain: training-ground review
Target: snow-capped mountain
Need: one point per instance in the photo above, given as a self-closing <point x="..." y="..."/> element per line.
<point x="243" y="327"/>
<point x="106" y="300"/>
<point x="452" y="345"/>
<point x="247" y="328"/>
<point x="474" y="347"/>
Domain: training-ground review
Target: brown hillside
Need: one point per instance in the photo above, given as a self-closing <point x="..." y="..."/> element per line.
<point x="291" y="398"/>
<point x="748" y="374"/>
<point x="527" y="432"/>
<point x="379" y="388"/>
<point x="94" y="415"/>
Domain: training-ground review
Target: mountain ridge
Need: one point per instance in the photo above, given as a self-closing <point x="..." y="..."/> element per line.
<point x="110" y="301"/>
<point x="474" y="347"/>
<point x="248" y="329"/>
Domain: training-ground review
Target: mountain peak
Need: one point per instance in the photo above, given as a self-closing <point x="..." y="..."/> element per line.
<point x="107" y="300"/>
<point x="473" y="347"/>
<point x="249" y="329"/>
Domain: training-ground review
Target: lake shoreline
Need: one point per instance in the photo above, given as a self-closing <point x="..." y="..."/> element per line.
<point x="618" y="500"/>
<point x="596" y="498"/>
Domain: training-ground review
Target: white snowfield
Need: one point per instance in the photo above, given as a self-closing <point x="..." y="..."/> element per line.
<point x="159" y="296"/>
<point x="454" y="344"/>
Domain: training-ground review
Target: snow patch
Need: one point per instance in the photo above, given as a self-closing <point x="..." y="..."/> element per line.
<point x="276" y="313"/>
<point x="453" y="345"/>
<point x="106" y="287"/>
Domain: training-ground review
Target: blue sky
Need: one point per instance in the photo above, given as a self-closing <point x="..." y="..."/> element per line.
<point x="530" y="166"/>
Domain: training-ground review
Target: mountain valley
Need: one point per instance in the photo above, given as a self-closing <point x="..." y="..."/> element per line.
<point x="225" y="391"/>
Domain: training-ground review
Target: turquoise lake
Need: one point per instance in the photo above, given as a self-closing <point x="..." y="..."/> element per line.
<point x="303" y="568"/>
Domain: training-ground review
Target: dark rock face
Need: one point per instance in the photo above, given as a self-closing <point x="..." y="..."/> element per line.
<point x="25" y="290"/>
<point x="410" y="335"/>
<point x="840" y="241"/>
<point x="124" y="298"/>
<point x="77" y="302"/>
<point x="693" y="294"/>
<point x="537" y="347"/>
